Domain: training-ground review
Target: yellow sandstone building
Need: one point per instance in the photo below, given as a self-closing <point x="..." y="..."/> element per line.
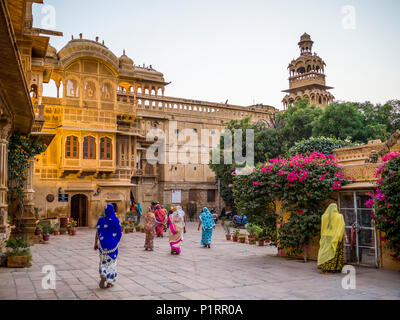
<point x="104" y="108"/>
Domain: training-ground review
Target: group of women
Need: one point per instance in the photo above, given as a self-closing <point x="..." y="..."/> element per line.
<point x="109" y="234"/>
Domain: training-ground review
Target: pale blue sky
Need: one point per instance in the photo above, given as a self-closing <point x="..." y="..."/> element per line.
<point x="239" y="50"/>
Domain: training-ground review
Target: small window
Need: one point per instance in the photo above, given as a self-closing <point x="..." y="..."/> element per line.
<point x="195" y="130"/>
<point x="176" y="131"/>
<point x="89" y="148"/>
<point x="105" y="149"/>
<point x="210" y="195"/>
<point x="72" y="148"/>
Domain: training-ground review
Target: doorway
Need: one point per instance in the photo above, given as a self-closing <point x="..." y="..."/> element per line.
<point x="79" y="209"/>
<point x="360" y="229"/>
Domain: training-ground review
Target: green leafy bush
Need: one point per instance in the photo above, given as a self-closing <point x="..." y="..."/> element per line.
<point x="319" y="144"/>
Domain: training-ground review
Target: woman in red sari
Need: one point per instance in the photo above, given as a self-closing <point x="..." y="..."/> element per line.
<point x="161" y="218"/>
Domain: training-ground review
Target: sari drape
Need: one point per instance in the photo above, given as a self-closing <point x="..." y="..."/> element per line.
<point x="207" y="224"/>
<point x="109" y="234"/>
<point x="150" y="224"/>
<point x="161" y="218"/>
<point x="175" y="232"/>
<point x="332" y="231"/>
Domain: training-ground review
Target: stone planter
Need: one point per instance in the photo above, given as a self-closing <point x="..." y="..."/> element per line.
<point x="17" y="261"/>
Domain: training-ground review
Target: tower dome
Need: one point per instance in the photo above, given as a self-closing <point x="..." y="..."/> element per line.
<point x="305" y="44"/>
<point x="125" y="62"/>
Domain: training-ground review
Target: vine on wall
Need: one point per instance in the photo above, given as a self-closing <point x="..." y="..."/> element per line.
<point x="21" y="149"/>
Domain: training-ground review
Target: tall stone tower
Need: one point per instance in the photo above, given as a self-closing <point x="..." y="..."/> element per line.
<point x="307" y="77"/>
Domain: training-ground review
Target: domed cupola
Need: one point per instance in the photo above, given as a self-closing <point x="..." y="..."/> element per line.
<point x="125" y="62"/>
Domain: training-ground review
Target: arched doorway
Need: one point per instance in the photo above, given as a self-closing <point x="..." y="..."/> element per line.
<point x="79" y="209"/>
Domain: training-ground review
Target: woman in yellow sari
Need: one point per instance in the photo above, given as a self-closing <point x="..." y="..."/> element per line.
<point x="330" y="255"/>
<point x="176" y="226"/>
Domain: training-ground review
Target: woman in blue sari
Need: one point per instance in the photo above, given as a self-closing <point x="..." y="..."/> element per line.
<point x="109" y="235"/>
<point x="207" y="223"/>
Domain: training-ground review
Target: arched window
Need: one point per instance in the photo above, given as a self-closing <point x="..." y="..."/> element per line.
<point x="89" y="148"/>
<point x="72" y="88"/>
<point x="90" y="89"/>
<point x="105" y="149"/>
<point x="72" y="148"/>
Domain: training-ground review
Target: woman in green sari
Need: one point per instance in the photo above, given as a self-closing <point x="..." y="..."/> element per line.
<point x="330" y="255"/>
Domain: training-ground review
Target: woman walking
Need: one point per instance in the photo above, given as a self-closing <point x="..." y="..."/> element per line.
<point x="150" y="224"/>
<point x="109" y="234"/>
<point x="161" y="218"/>
<point x="330" y="255"/>
<point x="176" y="226"/>
<point x="207" y="223"/>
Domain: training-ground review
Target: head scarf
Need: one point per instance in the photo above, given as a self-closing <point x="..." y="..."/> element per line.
<point x="207" y="219"/>
<point x="160" y="214"/>
<point x="181" y="212"/>
<point x="332" y="230"/>
<point x="109" y="232"/>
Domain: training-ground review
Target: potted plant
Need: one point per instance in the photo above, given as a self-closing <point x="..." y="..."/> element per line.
<point x="235" y="235"/>
<point x="38" y="229"/>
<point x="63" y="230"/>
<point x="251" y="229"/>
<point x="142" y="229"/>
<point x="18" y="253"/>
<point x="124" y="224"/>
<point x="137" y="226"/>
<point x="56" y="230"/>
<point x="47" y="230"/>
<point x="223" y="221"/>
<point x="72" y="227"/>
<point x="227" y="228"/>
<point x="261" y="236"/>
<point x="242" y="238"/>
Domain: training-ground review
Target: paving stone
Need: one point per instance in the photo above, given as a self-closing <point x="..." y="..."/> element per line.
<point x="228" y="270"/>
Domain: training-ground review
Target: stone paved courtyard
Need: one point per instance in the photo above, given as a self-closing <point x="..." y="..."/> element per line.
<point x="226" y="271"/>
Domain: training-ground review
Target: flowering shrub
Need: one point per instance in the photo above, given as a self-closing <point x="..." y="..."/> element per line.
<point x="21" y="149"/>
<point x="301" y="183"/>
<point x="387" y="202"/>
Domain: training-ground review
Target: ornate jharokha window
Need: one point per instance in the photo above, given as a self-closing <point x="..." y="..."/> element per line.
<point x="105" y="149"/>
<point x="89" y="148"/>
<point x="72" y="148"/>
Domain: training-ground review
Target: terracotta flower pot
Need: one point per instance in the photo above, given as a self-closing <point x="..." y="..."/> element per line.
<point x="142" y="230"/>
<point x="126" y="230"/>
<point x="63" y="231"/>
<point x="56" y="232"/>
<point x="222" y="223"/>
<point x="122" y="228"/>
<point x="242" y="240"/>
<point x="46" y="237"/>
<point x="234" y="238"/>
<point x="260" y="243"/>
<point x="73" y="232"/>
<point x="228" y="237"/>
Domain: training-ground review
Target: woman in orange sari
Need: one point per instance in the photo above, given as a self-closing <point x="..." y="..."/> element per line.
<point x="161" y="218"/>
<point x="150" y="224"/>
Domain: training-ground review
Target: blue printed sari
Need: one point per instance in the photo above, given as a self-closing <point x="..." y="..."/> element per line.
<point x="109" y="234"/>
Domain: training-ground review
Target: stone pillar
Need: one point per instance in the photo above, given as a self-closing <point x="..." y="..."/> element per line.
<point x="5" y="229"/>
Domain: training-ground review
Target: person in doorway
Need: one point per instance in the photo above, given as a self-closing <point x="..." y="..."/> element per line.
<point x="176" y="226"/>
<point x="330" y="254"/>
<point x="161" y="218"/>
<point x="150" y="224"/>
<point x="109" y="235"/>
<point x="138" y="211"/>
<point x="207" y="223"/>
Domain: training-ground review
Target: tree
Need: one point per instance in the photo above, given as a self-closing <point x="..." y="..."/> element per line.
<point x="342" y="121"/>
<point x="298" y="122"/>
<point x="319" y="144"/>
